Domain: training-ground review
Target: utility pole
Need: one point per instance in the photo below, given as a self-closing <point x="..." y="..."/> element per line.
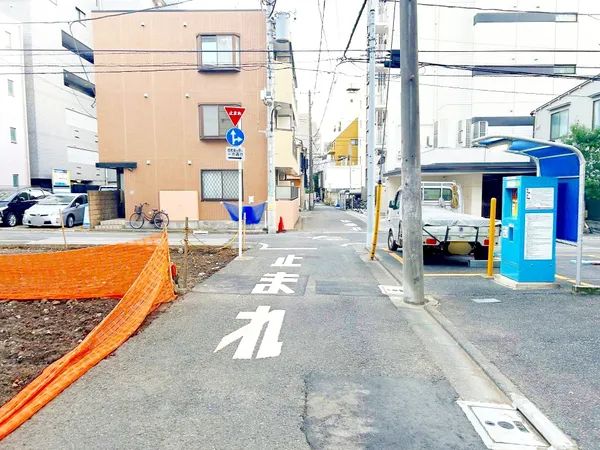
<point x="311" y="181"/>
<point x="270" y="102"/>
<point x="371" y="130"/>
<point x="412" y="234"/>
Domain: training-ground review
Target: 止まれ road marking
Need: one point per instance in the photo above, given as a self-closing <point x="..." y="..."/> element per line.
<point x="272" y="283"/>
<point x="286" y="261"/>
<point x="249" y="334"/>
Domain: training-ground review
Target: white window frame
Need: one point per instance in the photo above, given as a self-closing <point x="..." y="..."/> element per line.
<point x="233" y="173"/>
<point x="8" y="37"/>
<point x="595" y="114"/>
<point x="223" y="122"/>
<point x="231" y="60"/>
<point x="10" y="86"/>
<point x="13" y="131"/>
<point x="556" y="113"/>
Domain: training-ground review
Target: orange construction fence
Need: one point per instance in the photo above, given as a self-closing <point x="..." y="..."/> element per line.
<point x="138" y="271"/>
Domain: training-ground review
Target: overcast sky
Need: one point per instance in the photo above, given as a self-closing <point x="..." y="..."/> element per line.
<point x="339" y="19"/>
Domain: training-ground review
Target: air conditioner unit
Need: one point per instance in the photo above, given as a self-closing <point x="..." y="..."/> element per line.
<point x="468" y="133"/>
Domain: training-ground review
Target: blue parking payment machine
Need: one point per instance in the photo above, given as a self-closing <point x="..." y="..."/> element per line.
<point x="529" y="229"/>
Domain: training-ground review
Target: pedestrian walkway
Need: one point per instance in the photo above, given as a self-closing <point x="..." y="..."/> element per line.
<point x="294" y="345"/>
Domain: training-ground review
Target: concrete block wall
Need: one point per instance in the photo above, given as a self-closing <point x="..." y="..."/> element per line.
<point x="103" y="205"/>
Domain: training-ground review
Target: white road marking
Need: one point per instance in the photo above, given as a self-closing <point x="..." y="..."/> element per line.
<point x="286" y="261"/>
<point x="250" y="333"/>
<point x="391" y="290"/>
<point x="352" y="243"/>
<point x="328" y="238"/>
<point x="345" y="221"/>
<point x="273" y="283"/>
<point x="485" y="300"/>
<point x="356" y="229"/>
<point x="350" y="224"/>
<point x="264" y="246"/>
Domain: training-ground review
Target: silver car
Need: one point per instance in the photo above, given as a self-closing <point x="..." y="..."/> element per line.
<point x="48" y="210"/>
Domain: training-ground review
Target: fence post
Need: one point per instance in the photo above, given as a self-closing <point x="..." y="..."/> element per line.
<point x="186" y="231"/>
<point x="62" y="227"/>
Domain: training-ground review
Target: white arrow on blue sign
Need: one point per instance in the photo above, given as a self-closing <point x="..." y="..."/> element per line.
<point x="235" y="137"/>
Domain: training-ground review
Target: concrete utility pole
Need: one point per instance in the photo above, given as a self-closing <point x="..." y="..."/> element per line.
<point x="412" y="234"/>
<point x="270" y="101"/>
<point x="371" y="131"/>
<point x="311" y="181"/>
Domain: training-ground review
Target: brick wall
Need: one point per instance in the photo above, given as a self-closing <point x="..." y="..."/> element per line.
<point x="103" y="205"/>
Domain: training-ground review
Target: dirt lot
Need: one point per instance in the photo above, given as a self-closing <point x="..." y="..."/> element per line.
<point x="33" y="334"/>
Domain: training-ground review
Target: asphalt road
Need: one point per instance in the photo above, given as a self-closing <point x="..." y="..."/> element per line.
<point x="546" y="342"/>
<point x="350" y="372"/>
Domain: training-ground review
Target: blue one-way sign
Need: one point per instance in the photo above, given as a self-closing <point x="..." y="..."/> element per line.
<point x="235" y="137"/>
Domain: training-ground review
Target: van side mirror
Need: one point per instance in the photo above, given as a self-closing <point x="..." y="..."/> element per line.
<point x="391" y="205"/>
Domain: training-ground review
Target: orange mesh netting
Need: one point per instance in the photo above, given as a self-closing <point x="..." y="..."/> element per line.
<point x="140" y="270"/>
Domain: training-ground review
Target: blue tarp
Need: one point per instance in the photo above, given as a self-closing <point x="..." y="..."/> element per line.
<point x="253" y="213"/>
<point x="554" y="160"/>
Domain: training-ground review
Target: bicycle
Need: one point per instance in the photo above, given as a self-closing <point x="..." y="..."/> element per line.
<point x="158" y="217"/>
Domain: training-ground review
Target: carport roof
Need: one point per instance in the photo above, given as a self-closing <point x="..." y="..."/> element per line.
<point x="474" y="167"/>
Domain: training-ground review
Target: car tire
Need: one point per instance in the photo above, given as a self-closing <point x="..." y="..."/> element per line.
<point x="11" y="220"/>
<point x="70" y="221"/>
<point x="392" y="244"/>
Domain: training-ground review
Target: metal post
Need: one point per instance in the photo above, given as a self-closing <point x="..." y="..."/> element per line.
<point x="186" y="245"/>
<point x="580" y="217"/>
<point x="311" y="181"/>
<point x="371" y="129"/>
<point x="492" y="238"/>
<point x="412" y="234"/>
<point x="271" y="213"/>
<point x="240" y="204"/>
<point x="62" y="226"/>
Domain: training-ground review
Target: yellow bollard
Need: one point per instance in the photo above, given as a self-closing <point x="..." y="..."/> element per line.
<point x="376" y="229"/>
<point x="492" y="238"/>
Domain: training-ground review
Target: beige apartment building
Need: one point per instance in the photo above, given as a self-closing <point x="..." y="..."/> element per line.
<point x="161" y="88"/>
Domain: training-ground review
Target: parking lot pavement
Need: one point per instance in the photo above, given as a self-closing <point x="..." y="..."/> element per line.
<point x="545" y="341"/>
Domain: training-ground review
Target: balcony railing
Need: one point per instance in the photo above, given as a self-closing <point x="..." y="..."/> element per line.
<point x="379" y="136"/>
<point x="286" y="192"/>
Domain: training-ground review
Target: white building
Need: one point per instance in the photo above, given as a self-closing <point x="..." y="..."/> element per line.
<point x="483" y="71"/>
<point x="14" y="169"/>
<point x="580" y="105"/>
<point x="59" y="84"/>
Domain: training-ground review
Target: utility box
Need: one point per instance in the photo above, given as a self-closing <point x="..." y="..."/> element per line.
<point x="529" y="229"/>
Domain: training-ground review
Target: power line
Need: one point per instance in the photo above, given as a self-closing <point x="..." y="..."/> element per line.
<point x="141" y="51"/>
<point x="322" y="15"/>
<point x="362" y="8"/>
<point x="91" y="19"/>
<point x="478" y="8"/>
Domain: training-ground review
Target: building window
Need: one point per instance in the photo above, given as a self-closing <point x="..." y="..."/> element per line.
<point x="79" y="84"/>
<point x="596" y="115"/>
<point x="435" y="134"/>
<point x="77" y="47"/>
<point x="559" y="124"/>
<point x="218" y="185"/>
<point x="8" y="43"/>
<point x="13" y="135"/>
<point x="214" y="121"/>
<point x="15" y="180"/>
<point x="354" y="142"/>
<point x="566" y="17"/>
<point x="219" y="52"/>
<point x="80" y="15"/>
<point x="11" y="88"/>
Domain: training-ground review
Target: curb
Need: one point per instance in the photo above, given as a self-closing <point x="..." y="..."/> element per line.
<point x="557" y="439"/>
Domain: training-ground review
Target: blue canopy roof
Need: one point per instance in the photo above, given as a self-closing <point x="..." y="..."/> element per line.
<point x="553" y="159"/>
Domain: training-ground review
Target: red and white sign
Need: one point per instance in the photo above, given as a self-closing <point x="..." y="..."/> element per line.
<point x="235" y="113"/>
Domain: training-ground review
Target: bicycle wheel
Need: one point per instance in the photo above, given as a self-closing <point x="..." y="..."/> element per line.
<point x="160" y="219"/>
<point x="136" y="221"/>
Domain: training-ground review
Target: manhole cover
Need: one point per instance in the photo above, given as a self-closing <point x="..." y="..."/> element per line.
<point x="502" y="427"/>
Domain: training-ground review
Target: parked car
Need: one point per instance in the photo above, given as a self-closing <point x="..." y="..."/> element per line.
<point x="14" y="203"/>
<point x="48" y="210"/>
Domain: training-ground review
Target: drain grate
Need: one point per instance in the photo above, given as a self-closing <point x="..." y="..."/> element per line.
<point x="502" y="427"/>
